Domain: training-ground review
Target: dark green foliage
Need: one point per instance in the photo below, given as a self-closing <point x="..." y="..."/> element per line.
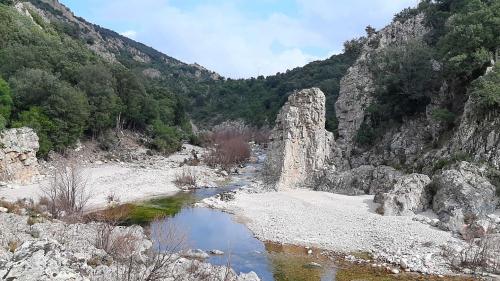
<point x="406" y="14"/>
<point x="472" y="35"/>
<point x="404" y="78"/>
<point x="63" y="90"/>
<point x="366" y="135"/>
<point x="257" y="100"/>
<point x="487" y="89"/>
<point x="5" y="102"/>
<point x="43" y="126"/>
<point x="443" y="115"/>
<point x="165" y="139"/>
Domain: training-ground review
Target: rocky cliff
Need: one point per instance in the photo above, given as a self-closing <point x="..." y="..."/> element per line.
<point x="300" y="145"/>
<point x="357" y="87"/>
<point x="414" y="166"/>
<point x="18" y="161"/>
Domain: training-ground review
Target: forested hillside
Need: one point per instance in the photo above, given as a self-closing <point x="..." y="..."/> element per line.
<point x="462" y="42"/>
<point x="53" y="82"/>
<point x="68" y="78"/>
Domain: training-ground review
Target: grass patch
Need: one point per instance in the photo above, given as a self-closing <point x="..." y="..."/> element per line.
<point x="145" y="212"/>
<point x="356" y="272"/>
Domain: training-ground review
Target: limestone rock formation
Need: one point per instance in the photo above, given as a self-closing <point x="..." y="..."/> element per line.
<point x="18" y="150"/>
<point x="365" y="179"/>
<point x="462" y="193"/>
<point x="357" y="86"/>
<point x="409" y="195"/>
<point x="300" y="146"/>
<point x="478" y="134"/>
<point x="53" y="250"/>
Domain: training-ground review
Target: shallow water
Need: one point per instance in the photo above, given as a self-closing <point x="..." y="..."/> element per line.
<point x="209" y="229"/>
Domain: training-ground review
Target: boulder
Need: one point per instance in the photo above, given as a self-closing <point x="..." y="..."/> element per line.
<point x="462" y="193"/>
<point x="300" y="146"/>
<point x="365" y="179"/>
<point x="18" y="150"/>
<point x="410" y="194"/>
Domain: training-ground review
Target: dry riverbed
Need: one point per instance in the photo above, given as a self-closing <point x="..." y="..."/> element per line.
<point x="126" y="181"/>
<point x="344" y="224"/>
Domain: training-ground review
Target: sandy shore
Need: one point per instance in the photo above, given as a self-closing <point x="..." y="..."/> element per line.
<point x="126" y="181"/>
<point x="340" y="223"/>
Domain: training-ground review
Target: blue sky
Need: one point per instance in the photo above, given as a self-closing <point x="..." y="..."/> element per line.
<point x="241" y="38"/>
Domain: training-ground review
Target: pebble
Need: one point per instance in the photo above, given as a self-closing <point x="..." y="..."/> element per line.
<point x="395" y="271"/>
<point x="217" y="252"/>
<point x="3" y="210"/>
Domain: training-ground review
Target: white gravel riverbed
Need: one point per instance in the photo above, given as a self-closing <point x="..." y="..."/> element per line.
<point x="340" y="223"/>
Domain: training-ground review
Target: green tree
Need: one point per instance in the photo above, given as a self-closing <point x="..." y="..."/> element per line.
<point x="404" y="78"/>
<point x="472" y="35"/>
<point x="5" y="102"/>
<point x="65" y="106"/>
<point x="487" y="89"/>
<point x="99" y="85"/>
<point x="43" y="126"/>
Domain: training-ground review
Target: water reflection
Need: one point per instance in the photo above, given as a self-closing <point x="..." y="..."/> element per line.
<point x="209" y="229"/>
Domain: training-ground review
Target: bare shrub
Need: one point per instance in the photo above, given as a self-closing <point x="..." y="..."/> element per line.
<point x="229" y="147"/>
<point x="479" y="254"/>
<point x="66" y="194"/>
<point x="187" y="178"/>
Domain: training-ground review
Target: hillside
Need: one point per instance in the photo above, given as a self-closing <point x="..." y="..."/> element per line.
<point x="105" y="80"/>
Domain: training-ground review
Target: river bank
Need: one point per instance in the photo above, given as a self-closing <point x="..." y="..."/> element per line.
<point x="344" y="224"/>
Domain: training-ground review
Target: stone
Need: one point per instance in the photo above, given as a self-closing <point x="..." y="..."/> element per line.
<point x="217" y="252"/>
<point x="410" y="194"/>
<point x="195" y="254"/>
<point x="3" y="210"/>
<point x="18" y="162"/>
<point x="395" y="271"/>
<point x="365" y="179"/>
<point x="300" y="146"/>
<point x="462" y="194"/>
<point x="312" y="265"/>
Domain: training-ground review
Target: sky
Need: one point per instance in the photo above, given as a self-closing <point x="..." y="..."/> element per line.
<point x="241" y="38"/>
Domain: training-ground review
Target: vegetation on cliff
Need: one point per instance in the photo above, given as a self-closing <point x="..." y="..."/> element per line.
<point x="463" y="41"/>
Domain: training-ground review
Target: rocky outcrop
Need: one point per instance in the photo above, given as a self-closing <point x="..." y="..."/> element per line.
<point x="478" y="134"/>
<point x="462" y="194"/>
<point x="53" y="250"/>
<point x="362" y="180"/>
<point x="18" y="150"/>
<point x="300" y="146"/>
<point x="409" y="195"/>
<point x="357" y="87"/>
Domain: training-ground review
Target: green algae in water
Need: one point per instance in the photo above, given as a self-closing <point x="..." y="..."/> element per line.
<point x="148" y="211"/>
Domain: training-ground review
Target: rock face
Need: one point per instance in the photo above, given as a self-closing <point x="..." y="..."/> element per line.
<point x="357" y="86"/>
<point x="409" y="195"/>
<point x="478" y="134"/>
<point x="462" y="193"/>
<point x="18" y="161"/>
<point x="300" y="146"/>
<point x="365" y="179"/>
<point x="52" y="250"/>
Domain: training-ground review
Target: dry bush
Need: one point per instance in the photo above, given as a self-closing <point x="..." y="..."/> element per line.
<point x="187" y="178"/>
<point x="229" y="147"/>
<point x="481" y="252"/>
<point x="160" y="262"/>
<point x="66" y="194"/>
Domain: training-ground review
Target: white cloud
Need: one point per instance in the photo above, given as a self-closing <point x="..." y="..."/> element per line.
<point x="130" y="34"/>
<point x="223" y="38"/>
